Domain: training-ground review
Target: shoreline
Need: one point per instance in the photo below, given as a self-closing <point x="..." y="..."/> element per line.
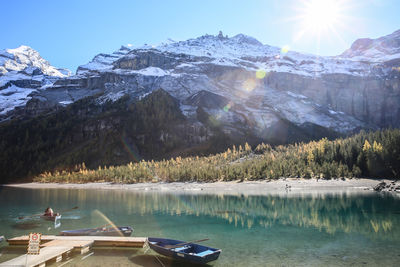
<point x="281" y="186"/>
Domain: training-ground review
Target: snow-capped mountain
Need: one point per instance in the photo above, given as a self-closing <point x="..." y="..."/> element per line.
<point x="28" y="60"/>
<point x="247" y="52"/>
<point x="197" y="96"/>
<point x="22" y="72"/>
<point x="379" y="50"/>
<point x="258" y="85"/>
<point x="241" y="51"/>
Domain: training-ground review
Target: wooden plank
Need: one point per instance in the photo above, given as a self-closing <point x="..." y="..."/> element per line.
<point x="59" y="258"/>
<point x="46" y="254"/>
<point x="85" y="250"/>
<point x="74" y="243"/>
<point x="53" y="247"/>
<point x="51" y="250"/>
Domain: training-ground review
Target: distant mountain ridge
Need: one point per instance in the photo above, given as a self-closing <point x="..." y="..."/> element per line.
<point x="382" y="49"/>
<point x="227" y="90"/>
<point x="248" y="53"/>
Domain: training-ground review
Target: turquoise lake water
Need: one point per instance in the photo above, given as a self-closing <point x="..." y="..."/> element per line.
<point x="270" y="230"/>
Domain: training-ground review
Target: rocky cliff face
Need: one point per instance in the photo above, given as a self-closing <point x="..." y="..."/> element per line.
<point x="373" y="100"/>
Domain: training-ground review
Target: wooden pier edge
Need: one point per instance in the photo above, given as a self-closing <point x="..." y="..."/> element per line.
<point x="54" y="248"/>
<point x="98" y="241"/>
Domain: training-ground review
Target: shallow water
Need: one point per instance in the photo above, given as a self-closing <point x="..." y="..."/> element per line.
<point x="269" y="230"/>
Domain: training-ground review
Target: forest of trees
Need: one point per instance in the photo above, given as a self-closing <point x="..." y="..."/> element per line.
<point x="129" y="129"/>
<point x="86" y="141"/>
<point x="88" y="132"/>
<point x="367" y="154"/>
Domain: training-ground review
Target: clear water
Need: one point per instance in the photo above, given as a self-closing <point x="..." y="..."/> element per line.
<point x="286" y="230"/>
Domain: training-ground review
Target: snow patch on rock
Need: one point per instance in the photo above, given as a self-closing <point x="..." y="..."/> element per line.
<point x="13" y="97"/>
<point x="153" y="71"/>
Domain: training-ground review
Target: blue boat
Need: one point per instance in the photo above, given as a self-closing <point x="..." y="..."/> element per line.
<point x="187" y="251"/>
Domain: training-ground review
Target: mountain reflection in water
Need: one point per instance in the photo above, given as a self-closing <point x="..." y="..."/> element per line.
<point x="369" y="214"/>
<point x="282" y="229"/>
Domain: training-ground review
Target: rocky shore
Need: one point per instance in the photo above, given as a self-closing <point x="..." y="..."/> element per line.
<point x="389" y="186"/>
<point x="284" y="186"/>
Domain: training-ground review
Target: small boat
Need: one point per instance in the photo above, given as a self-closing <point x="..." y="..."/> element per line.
<point x="2" y="238"/>
<point x="100" y="231"/>
<point x="181" y="250"/>
<point x="53" y="218"/>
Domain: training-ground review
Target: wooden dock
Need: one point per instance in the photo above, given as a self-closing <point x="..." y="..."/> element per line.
<point x="55" y="248"/>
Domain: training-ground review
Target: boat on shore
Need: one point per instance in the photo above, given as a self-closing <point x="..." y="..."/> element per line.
<point x="100" y="231"/>
<point x="181" y="250"/>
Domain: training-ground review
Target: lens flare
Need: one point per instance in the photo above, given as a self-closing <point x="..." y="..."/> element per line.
<point x="227" y="107"/>
<point x="285" y="49"/>
<point x="105" y="218"/>
<point x="249" y="85"/>
<point x="260" y="74"/>
<point x="134" y="155"/>
<point x="396" y="69"/>
<point x="214" y="121"/>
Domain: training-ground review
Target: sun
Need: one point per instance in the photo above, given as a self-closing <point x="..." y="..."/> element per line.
<point x="320" y="16"/>
<point x="315" y="20"/>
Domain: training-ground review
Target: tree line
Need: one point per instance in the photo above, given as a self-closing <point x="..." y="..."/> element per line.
<point x="366" y="154"/>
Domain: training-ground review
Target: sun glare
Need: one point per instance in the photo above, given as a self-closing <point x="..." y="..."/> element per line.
<point x="321" y="15"/>
<point x="317" y="19"/>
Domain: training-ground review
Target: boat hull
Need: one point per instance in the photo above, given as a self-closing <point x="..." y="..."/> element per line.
<point x="193" y="253"/>
<point x="51" y="218"/>
<point x="119" y="231"/>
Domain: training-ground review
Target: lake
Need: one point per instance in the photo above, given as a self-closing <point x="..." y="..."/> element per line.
<point x="267" y="230"/>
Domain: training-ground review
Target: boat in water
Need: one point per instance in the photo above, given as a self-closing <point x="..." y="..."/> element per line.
<point x="187" y="251"/>
<point x="52" y="218"/>
<point x="100" y="231"/>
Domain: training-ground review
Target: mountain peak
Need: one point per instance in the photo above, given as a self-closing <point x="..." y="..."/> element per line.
<point x="246" y="39"/>
<point x="240" y="39"/>
<point x="26" y="58"/>
<point x="22" y="49"/>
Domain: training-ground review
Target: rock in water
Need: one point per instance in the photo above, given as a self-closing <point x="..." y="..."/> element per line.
<point x="379" y="187"/>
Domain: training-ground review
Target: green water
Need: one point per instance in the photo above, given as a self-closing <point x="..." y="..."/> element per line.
<point x="285" y="230"/>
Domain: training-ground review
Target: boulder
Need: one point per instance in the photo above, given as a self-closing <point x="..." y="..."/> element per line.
<point x="379" y="187"/>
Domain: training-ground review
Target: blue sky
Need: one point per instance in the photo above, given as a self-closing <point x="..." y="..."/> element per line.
<point x="70" y="33"/>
